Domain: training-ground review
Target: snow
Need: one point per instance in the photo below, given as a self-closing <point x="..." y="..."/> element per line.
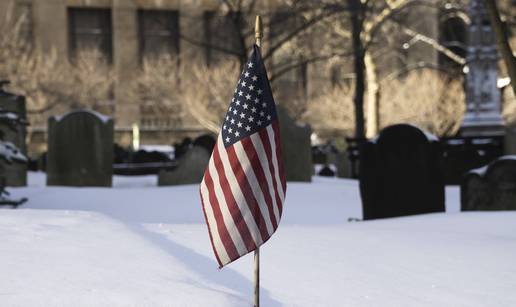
<point x="140" y="245"/>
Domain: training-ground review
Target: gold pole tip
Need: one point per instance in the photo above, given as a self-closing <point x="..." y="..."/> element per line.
<point x="258" y="27"/>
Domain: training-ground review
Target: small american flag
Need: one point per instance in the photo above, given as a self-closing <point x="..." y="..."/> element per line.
<point x="244" y="185"/>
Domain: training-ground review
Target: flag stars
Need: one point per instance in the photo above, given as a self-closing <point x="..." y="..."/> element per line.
<point x="254" y="78"/>
<point x="232" y="121"/>
<point x="262" y="114"/>
<point x="245" y="106"/>
<point x="251" y="87"/>
<point x="237" y="134"/>
<point x="260" y="91"/>
<point x="244" y="83"/>
<point x="250" y="65"/>
<point x="242" y="115"/>
<point x="239" y="125"/>
<point x="256" y="100"/>
<point x="240" y="93"/>
<point x="259" y="123"/>
<point x="247" y="74"/>
<point x="235" y="111"/>
<point x="237" y="102"/>
<point x="230" y="130"/>
<point x="247" y="128"/>
<point x="253" y="109"/>
<point x="227" y="139"/>
<point x="248" y="97"/>
<point x="251" y="119"/>
<point x="264" y="104"/>
<point x="269" y="117"/>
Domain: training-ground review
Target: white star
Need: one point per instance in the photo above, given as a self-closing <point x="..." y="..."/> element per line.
<point x="256" y="100"/>
<point x="248" y="97"/>
<point x="237" y="102"/>
<point x="232" y="121"/>
<point x="237" y="133"/>
<point x="268" y="117"/>
<point x="259" y="123"/>
<point x="264" y="104"/>
<point x="260" y="91"/>
<point x="230" y="130"/>
<point x="244" y="83"/>
<point x="239" y="124"/>
<point x="224" y="127"/>
<point x="240" y="93"/>
<point x="246" y="74"/>
<point x="247" y="128"/>
<point x="251" y="118"/>
<point x="254" y="78"/>
<point x="242" y="115"/>
<point x="250" y="65"/>
<point x="262" y="113"/>
<point x="251" y="87"/>
<point x="230" y="108"/>
<point x="233" y="99"/>
<point x="245" y="106"/>
<point x="227" y="117"/>
<point x="253" y="109"/>
<point x="227" y="140"/>
<point x="235" y="111"/>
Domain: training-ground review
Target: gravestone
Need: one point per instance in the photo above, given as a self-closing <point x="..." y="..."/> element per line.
<point x="400" y="173"/>
<point x="190" y="168"/>
<point x="295" y="148"/>
<point x="510" y="140"/>
<point x="15" y="174"/>
<point x="343" y="165"/>
<point x="492" y="187"/>
<point x="80" y="149"/>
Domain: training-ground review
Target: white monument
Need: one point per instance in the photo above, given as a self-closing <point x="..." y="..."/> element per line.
<point x="483" y="108"/>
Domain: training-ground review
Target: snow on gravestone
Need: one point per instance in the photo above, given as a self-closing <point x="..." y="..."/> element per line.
<point x="492" y="187"/>
<point x="400" y="173"/>
<point x="191" y="165"/>
<point x="80" y="149"/>
<point x="15" y="173"/>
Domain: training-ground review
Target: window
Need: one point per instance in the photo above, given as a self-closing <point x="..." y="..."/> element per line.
<point x="222" y="36"/>
<point x="90" y="29"/>
<point x="158" y="32"/>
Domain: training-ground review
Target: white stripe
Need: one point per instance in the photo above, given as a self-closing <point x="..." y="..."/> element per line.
<point x="255" y="186"/>
<point x="226" y="215"/>
<point x="239" y="196"/>
<point x="279" y="186"/>
<point x="215" y="236"/>
<point x="262" y="156"/>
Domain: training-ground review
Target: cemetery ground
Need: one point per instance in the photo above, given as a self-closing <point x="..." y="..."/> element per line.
<point x="137" y="244"/>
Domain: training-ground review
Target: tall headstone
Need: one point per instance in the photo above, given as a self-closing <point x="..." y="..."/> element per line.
<point x="80" y="149"/>
<point x="400" y="173"/>
<point x="15" y="174"/>
<point x="295" y="148"/>
<point x="483" y="107"/>
<point x="492" y="187"/>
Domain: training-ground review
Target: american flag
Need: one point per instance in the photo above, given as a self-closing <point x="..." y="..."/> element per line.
<point x="244" y="185"/>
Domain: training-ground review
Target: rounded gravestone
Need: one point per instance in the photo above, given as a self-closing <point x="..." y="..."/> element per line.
<point x="400" y="173"/>
<point x="80" y="149"/>
<point x="492" y="187"/>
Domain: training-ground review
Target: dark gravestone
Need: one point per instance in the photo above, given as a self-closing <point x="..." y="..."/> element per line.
<point x="296" y="148"/>
<point x="400" y="173"/>
<point x="205" y="141"/>
<point x="190" y="168"/>
<point x="15" y="174"/>
<point x="510" y="140"/>
<point x="492" y="187"/>
<point x="80" y="149"/>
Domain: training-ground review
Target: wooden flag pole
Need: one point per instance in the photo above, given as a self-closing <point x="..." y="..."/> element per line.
<point x="258" y="32"/>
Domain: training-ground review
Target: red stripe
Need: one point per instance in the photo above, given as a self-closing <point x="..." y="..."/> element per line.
<point x="209" y="231"/>
<point x="221" y="227"/>
<point x="264" y="136"/>
<point x="281" y="167"/>
<point x="247" y="191"/>
<point x="238" y="219"/>
<point x="252" y="155"/>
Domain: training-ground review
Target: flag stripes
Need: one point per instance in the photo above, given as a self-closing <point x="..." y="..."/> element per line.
<point x="244" y="186"/>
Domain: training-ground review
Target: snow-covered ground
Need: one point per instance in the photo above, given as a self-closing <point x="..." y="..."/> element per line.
<point x="141" y="245"/>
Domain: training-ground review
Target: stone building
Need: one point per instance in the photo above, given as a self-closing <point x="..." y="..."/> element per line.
<point x="126" y="31"/>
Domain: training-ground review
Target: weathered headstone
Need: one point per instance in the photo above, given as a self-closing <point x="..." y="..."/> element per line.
<point x="190" y="168"/>
<point x="400" y="173"/>
<point x="492" y="187"/>
<point x="296" y="148"/>
<point x="343" y="165"/>
<point x="15" y="174"/>
<point x="80" y="149"/>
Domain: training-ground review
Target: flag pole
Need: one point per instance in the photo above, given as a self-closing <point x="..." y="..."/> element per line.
<point x="258" y="32"/>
